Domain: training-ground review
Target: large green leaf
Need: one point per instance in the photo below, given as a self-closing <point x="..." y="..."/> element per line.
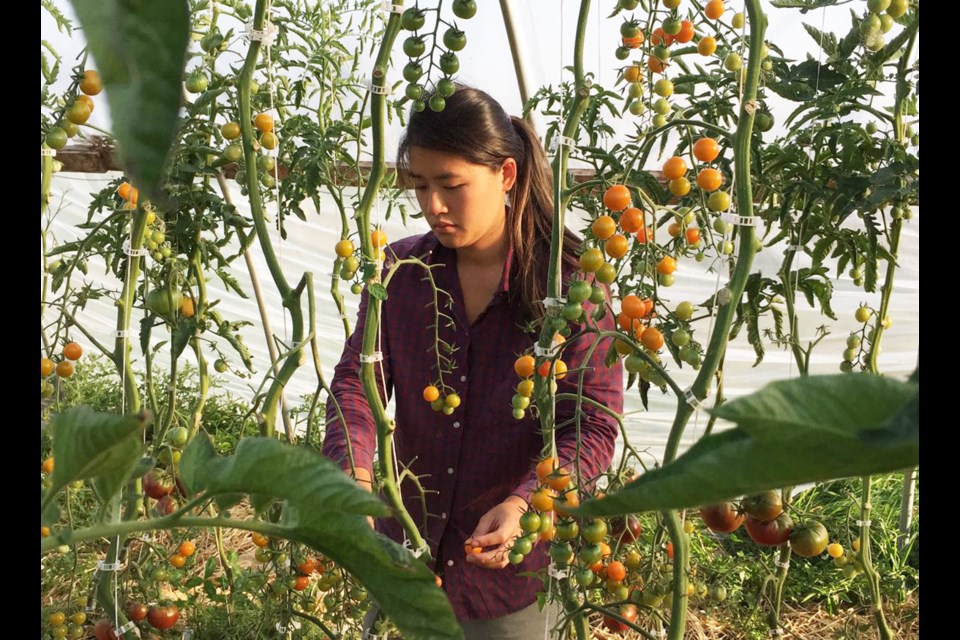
<point x="104" y="446"/>
<point x="326" y="510"/>
<point x="789" y="432"/>
<point x="140" y="48"/>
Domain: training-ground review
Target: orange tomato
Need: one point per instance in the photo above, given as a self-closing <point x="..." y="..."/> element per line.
<point x="187" y="549"/>
<point x="631" y="73"/>
<point x="659" y="36"/>
<point x="631" y="219"/>
<point x="628" y="324"/>
<point x="616" y="570"/>
<point x="674" y="168"/>
<point x="72" y="351"/>
<point x="263" y="122"/>
<point x="178" y="560"/>
<point x="667" y="265"/>
<point x="714" y="9"/>
<point x="707" y="46"/>
<point x="568" y="499"/>
<point x="558" y="480"/>
<point x="693" y="236"/>
<point x="652" y="338"/>
<point x="542" y="500"/>
<point x="674" y="229"/>
<point x="633" y="42"/>
<point x="633" y="306"/>
<point x="617" y="246"/>
<point x="644" y="235"/>
<point x="616" y="197"/>
<point x="604" y="227"/>
<point x="64" y="368"/>
<point x="709" y="179"/>
<point x="46" y="367"/>
<point x="378" y="238"/>
<point x="431" y="393"/>
<point x="687" y="32"/>
<point x="545" y="467"/>
<point x="655" y="64"/>
<point x="525" y="366"/>
<point x="706" y="149"/>
<point x="187" y="310"/>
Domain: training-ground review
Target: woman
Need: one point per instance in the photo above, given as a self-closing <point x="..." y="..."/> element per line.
<point x="477" y="464"/>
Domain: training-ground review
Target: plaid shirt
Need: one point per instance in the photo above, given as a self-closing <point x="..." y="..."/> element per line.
<point x="474" y="459"/>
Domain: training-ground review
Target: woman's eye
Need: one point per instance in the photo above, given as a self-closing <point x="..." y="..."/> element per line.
<point x="451" y="187"/>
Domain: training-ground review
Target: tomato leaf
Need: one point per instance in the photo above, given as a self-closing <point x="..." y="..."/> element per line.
<point x="325" y="509"/>
<point x="377" y="291"/>
<point x="790" y="432"/>
<point x="139" y="48"/>
<point x="88" y="444"/>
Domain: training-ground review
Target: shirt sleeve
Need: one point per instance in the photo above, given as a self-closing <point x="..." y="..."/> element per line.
<point x="597" y="430"/>
<point x="346" y="392"/>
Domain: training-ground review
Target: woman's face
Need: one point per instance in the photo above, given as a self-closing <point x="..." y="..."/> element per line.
<point x="462" y="202"/>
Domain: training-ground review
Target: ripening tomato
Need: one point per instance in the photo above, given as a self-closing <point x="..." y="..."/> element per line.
<point x="674" y="168"/>
<point x="616" y="246"/>
<point x="709" y="179"/>
<point x="722" y="517"/>
<point x="707" y="46"/>
<point x="706" y="149"/>
<point x="686" y="33"/>
<point x="603" y="227"/>
<point x="616" y="198"/>
<point x="714" y="9"/>
<point x="772" y="533"/>
<point x="631" y="220"/>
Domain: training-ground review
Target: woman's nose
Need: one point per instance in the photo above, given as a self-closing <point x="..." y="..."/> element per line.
<point x="434" y="203"/>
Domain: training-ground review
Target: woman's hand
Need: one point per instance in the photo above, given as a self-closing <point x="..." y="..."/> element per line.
<point x="496" y="529"/>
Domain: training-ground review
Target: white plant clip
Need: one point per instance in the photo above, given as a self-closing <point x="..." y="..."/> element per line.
<point x="782" y="565"/>
<point x="134" y="253"/>
<point x="387" y="6"/>
<point x="794" y="247"/>
<point x="738" y="220"/>
<point x="265" y="35"/>
<point x="376" y="356"/>
<point x="380" y="90"/>
<point x="542" y="351"/>
<point x="108" y="566"/>
<point x="550" y="303"/>
<point x="692" y="398"/>
<point x="48" y="153"/>
<point x="750" y="106"/>
<point x="561" y="141"/>
<point x="122" y="333"/>
<point x="559" y="574"/>
<point x="863" y="523"/>
<point x="130" y="626"/>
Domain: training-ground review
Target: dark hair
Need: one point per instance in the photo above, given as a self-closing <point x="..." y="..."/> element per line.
<point x="475" y="127"/>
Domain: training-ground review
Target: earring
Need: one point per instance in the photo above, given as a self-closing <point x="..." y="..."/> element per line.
<point x="506" y="199"/>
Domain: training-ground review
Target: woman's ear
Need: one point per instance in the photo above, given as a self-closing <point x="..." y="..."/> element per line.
<point x="508" y="174"/>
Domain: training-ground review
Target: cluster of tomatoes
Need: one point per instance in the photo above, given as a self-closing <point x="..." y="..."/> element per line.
<point x="767" y="524"/>
<point x="267" y="139"/>
<point x="880" y="17"/>
<point x="526" y="367"/>
<point x="63" y="369"/>
<point x="446" y="402"/>
<point x="77" y="112"/>
<point x="350" y="263"/>
<point x="672" y="30"/>
<point x="59" y="627"/>
<point x="415" y="47"/>
<point x="855" y="341"/>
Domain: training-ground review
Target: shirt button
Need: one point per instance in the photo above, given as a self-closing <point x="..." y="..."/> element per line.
<point x="449" y="563"/>
<point x="450" y="471"/>
<point x="463" y="378"/>
<point x="443" y="515"/>
<point x="456" y="425"/>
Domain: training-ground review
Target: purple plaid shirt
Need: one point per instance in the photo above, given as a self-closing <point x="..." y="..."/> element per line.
<point x="474" y="459"/>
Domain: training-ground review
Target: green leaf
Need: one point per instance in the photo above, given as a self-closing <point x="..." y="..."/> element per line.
<point x="790" y="432"/>
<point x="88" y="444"/>
<point x="325" y="509"/>
<point x="826" y="41"/>
<point x="139" y="48"/>
<point x="378" y="291"/>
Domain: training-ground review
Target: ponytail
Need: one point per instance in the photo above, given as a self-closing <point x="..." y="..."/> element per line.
<point x="530" y="225"/>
